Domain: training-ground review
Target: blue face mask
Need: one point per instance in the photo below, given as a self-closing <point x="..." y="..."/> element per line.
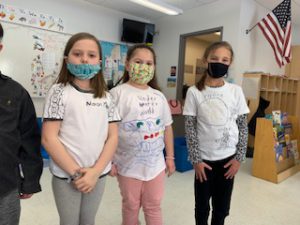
<point x="83" y="71"/>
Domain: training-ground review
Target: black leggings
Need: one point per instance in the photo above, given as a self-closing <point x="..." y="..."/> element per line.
<point x="216" y="187"/>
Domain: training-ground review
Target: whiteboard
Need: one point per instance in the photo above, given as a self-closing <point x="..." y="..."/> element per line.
<point x="32" y="56"/>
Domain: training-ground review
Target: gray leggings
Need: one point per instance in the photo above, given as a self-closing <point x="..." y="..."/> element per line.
<point x="10" y="208"/>
<point x="74" y="207"/>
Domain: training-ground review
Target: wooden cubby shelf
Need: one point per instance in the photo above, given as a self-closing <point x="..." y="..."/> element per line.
<point x="282" y="92"/>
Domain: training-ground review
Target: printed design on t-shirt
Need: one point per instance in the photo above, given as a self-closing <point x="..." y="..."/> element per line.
<point x="54" y="108"/>
<point x="224" y="140"/>
<point x="216" y="113"/>
<point x="145" y="139"/>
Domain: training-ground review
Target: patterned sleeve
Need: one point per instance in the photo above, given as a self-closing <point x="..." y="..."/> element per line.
<point x="54" y="105"/>
<point x="243" y="138"/>
<point x="191" y="139"/>
<point x="113" y="114"/>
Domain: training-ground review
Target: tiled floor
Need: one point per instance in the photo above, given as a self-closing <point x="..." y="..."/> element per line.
<point x="254" y="202"/>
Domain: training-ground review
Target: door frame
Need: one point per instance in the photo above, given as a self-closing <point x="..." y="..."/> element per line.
<point x="181" y="58"/>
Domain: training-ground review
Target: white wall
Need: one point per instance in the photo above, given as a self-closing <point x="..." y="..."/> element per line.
<point x="78" y="16"/>
<point x="206" y="17"/>
<point x="252" y="51"/>
<point x="296" y="34"/>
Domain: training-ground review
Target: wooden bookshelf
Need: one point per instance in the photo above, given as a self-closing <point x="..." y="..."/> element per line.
<point x="264" y="159"/>
<point x="282" y="92"/>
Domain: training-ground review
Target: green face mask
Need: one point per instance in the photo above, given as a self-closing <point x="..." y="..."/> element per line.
<point x="141" y="73"/>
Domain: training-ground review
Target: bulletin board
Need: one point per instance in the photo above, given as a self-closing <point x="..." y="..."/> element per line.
<point x="113" y="59"/>
<point x="32" y="56"/>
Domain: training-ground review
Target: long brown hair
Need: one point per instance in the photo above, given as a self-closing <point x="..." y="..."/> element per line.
<point x="98" y="84"/>
<point x="214" y="46"/>
<point x="130" y="53"/>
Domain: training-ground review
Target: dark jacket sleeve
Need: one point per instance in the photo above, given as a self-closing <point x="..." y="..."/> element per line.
<point x="29" y="154"/>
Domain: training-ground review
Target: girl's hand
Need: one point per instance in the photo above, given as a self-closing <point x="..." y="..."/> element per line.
<point x="234" y="167"/>
<point x="87" y="181"/>
<point x="170" y="167"/>
<point x="114" y="170"/>
<point x="200" y="171"/>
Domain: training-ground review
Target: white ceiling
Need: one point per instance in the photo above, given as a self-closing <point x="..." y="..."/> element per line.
<point x="131" y="8"/>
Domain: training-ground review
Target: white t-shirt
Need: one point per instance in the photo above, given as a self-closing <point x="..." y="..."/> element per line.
<point x="217" y="110"/>
<point x="84" y="126"/>
<point x="145" y="114"/>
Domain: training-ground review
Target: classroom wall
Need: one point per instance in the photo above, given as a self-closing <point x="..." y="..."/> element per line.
<point x="208" y="16"/>
<point x="296" y="34"/>
<point x="78" y="16"/>
<point x="235" y="16"/>
<point x="252" y="51"/>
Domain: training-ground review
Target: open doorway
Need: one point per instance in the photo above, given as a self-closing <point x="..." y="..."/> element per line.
<point x="191" y="49"/>
<point x="190" y="67"/>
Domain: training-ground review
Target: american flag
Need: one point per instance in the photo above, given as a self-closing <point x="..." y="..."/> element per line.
<point x="276" y="27"/>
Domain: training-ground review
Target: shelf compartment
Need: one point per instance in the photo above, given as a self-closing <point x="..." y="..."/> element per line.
<point x="283" y="102"/>
<point x="295" y="86"/>
<point x="264" y="82"/>
<point x="276" y="100"/>
<point x="291" y="86"/>
<point x="291" y="103"/>
<point x="285" y="83"/>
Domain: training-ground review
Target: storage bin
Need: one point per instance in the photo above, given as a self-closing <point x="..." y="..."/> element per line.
<point x="43" y="151"/>
<point x="181" y="155"/>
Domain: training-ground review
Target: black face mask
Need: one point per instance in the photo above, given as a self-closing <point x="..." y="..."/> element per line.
<point x="217" y="70"/>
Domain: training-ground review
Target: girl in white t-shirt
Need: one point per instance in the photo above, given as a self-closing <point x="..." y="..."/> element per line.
<point x="80" y="132"/>
<point x="144" y="132"/>
<point x="216" y="132"/>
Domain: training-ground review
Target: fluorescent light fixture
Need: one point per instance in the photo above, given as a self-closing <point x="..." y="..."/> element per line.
<point x="160" y="6"/>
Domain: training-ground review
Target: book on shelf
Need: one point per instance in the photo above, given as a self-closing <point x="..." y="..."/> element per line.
<point x="276" y="117"/>
<point x="279" y="152"/>
<point x="294" y="150"/>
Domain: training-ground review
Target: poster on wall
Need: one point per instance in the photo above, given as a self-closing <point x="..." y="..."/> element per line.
<point x="30" y="18"/>
<point x="46" y="62"/>
<point x="173" y="71"/>
<point x="113" y="61"/>
<point x="32" y="57"/>
<point x="171" y="82"/>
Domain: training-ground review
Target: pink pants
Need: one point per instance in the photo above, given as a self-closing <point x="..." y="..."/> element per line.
<point x="147" y="194"/>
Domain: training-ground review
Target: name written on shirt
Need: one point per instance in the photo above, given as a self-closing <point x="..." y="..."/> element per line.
<point x="97" y="104"/>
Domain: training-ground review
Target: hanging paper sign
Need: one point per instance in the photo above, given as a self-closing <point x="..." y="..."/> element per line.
<point x="27" y="17"/>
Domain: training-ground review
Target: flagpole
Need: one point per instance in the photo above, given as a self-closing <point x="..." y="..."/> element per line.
<point x="249" y="30"/>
